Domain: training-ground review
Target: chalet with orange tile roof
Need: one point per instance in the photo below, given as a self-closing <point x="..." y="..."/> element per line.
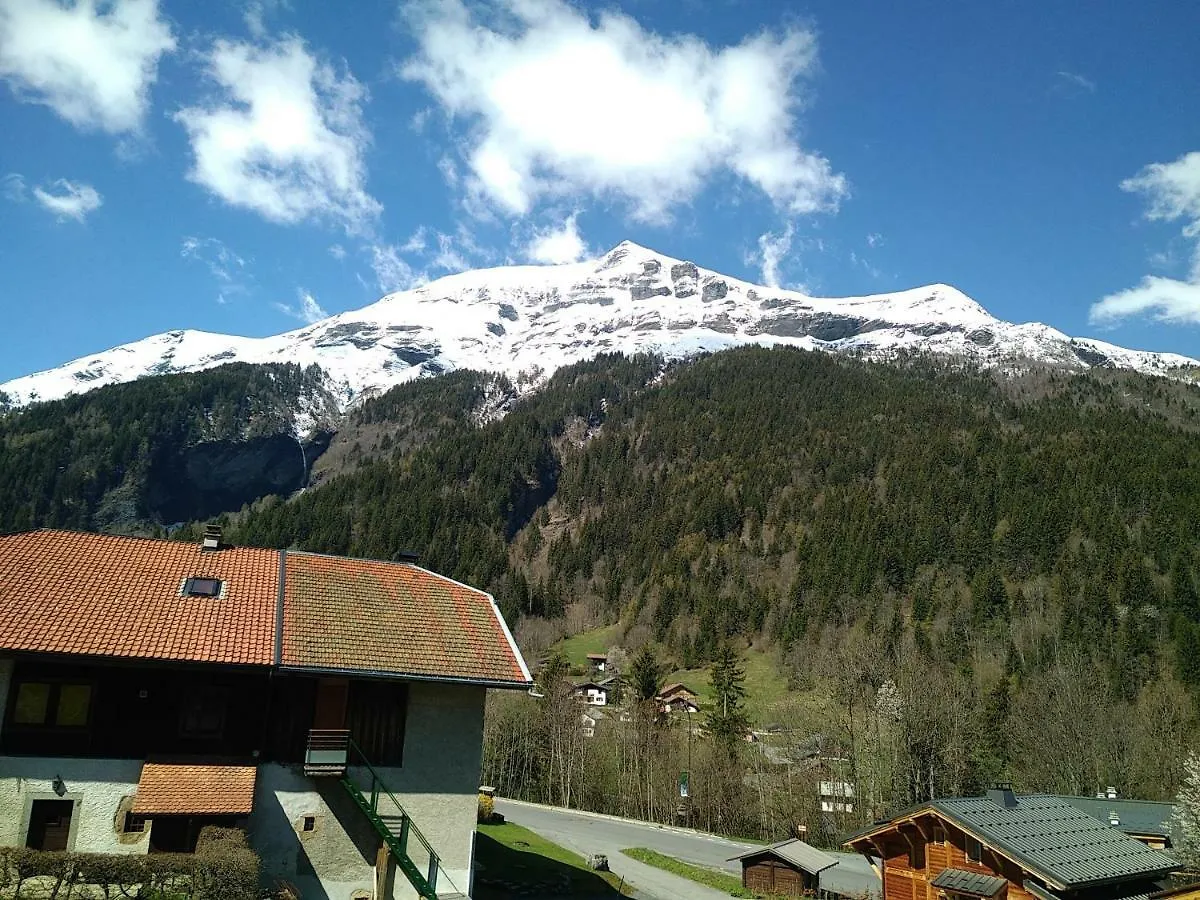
<point x="332" y="706"/>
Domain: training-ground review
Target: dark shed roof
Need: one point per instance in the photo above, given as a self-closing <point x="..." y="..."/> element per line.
<point x="1134" y="816"/>
<point x="796" y="852"/>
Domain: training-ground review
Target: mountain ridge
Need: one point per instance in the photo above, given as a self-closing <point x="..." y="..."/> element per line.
<point x="528" y="321"/>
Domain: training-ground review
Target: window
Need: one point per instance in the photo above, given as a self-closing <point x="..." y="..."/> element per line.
<point x="309" y="824"/>
<point x="134" y="824"/>
<point x="939" y="835"/>
<point x="202" y="587"/>
<point x="974" y="850"/>
<point x="203" y="714"/>
<point x="52" y="705"/>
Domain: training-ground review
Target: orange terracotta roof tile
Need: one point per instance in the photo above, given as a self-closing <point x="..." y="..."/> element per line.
<point x="194" y="790"/>
<point x="106" y="595"/>
<point x="397" y="618"/>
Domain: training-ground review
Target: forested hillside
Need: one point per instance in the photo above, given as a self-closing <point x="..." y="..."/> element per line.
<point x="1016" y="557"/>
<point x="148" y="453"/>
<point x="964" y="576"/>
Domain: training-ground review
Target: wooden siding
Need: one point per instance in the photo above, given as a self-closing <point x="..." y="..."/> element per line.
<point x="912" y="859"/>
<point x="767" y="874"/>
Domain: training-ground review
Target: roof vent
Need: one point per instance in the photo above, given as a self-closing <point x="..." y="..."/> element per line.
<point x="1002" y="795"/>
<point x="1111" y="792"/>
<point x="406" y="556"/>
<point x="1113" y="819"/>
<point x="212" y="538"/>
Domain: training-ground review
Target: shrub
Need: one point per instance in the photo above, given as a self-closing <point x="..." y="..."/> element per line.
<point x="223" y="868"/>
<point x="487" y="809"/>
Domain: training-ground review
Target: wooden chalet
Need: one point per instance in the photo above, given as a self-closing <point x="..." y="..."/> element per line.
<point x="1011" y="847"/>
<point x="788" y="869"/>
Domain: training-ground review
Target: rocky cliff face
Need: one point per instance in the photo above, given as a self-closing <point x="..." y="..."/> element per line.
<point x="527" y="321"/>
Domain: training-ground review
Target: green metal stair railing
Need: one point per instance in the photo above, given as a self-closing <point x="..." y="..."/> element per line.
<point x="394" y="825"/>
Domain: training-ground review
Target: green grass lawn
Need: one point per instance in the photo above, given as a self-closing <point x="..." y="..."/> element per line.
<point x="600" y="640"/>
<point x="721" y="881"/>
<point x="515" y="862"/>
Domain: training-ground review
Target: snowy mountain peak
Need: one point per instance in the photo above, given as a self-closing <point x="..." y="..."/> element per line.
<point x="527" y="321"/>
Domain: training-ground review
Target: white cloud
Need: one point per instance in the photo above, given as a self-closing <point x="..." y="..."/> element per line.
<point x="337" y="251"/>
<point x="392" y="273"/>
<point x="1076" y="81"/>
<point x="92" y="63"/>
<point x="1173" y="192"/>
<point x="1162" y="299"/>
<point x="306" y="309"/>
<point x="555" y="105"/>
<point x="874" y="239"/>
<point x="285" y="138"/>
<point x="226" y="265"/>
<point x="555" y="246"/>
<point x="772" y="253"/>
<point x="69" y="200"/>
<point x="13" y="186"/>
<point x="416" y="242"/>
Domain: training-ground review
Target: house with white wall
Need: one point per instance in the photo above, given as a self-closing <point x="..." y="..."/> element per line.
<point x="331" y="706"/>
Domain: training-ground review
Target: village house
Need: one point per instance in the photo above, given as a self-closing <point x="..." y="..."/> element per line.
<point x="598" y="661"/>
<point x="332" y="706"/>
<point x="595" y="693"/>
<point x="1001" y="845"/>
<point x="677" y="697"/>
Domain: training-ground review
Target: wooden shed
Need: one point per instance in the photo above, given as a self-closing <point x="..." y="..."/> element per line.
<point x="789" y="868"/>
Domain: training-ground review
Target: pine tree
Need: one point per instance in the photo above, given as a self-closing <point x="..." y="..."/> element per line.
<point x="727" y="721"/>
<point x="645" y="672"/>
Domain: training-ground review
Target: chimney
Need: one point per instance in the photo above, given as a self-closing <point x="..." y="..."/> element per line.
<point x="1002" y="795"/>
<point x="406" y="556"/>
<point x="1111" y="792"/>
<point x="212" y="538"/>
<point x="1113" y="819"/>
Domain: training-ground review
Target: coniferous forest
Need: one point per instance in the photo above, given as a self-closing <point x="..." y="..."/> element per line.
<point x="979" y="576"/>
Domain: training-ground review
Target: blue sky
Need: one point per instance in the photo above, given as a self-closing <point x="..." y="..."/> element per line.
<point x="241" y="168"/>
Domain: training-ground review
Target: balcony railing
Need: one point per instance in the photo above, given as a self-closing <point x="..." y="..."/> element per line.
<point x="327" y="753"/>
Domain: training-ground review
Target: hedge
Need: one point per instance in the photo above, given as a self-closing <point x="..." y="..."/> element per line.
<point x="222" y="868"/>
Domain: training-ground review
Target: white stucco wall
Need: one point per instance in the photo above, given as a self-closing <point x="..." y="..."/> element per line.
<point x="439" y="781"/>
<point x="438" y="785"/>
<point x="97" y="784"/>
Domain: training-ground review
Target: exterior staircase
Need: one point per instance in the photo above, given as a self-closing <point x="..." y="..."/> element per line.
<point x="333" y="754"/>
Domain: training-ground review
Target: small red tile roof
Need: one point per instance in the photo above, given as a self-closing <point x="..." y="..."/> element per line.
<point x="394" y="618"/>
<point x="194" y="790"/>
<point x="105" y="595"/>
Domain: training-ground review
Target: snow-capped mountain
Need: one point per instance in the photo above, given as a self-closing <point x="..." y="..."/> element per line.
<point x="527" y="321"/>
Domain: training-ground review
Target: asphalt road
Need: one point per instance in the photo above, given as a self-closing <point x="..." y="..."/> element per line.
<point x="587" y="833"/>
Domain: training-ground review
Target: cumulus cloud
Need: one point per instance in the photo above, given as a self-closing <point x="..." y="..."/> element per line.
<point x="69" y="200"/>
<point x="306" y="308"/>
<point x="772" y="252"/>
<point x="554" y="104"/>
<point x="1172" y="191"/>
<point x="555" y="246"/>
<point x="284" y="136"/>
<point x="92" y="63"/>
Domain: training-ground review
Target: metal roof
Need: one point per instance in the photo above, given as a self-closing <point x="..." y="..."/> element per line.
<point x="1052" y="838"/>
<point x="798" y="853"/>
<point x="965" y="882"/>
<point x="1134" y="816"/>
